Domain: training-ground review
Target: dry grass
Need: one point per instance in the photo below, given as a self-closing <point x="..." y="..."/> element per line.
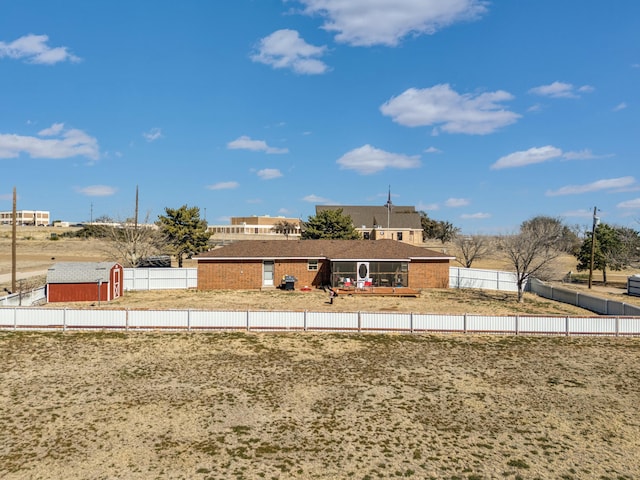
<point x="444" y="301"/>
<point x="317" y="406"/>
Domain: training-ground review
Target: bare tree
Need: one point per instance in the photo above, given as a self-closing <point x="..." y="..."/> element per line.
<point x="129" y="242"/>
<point x="532" y="251"/>
<point x="472" y="248"/>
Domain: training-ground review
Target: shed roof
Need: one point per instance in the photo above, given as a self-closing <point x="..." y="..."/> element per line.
<point x="321" y="249"/>
<point x="80" y="272"/>
<point x="369" y="216"/>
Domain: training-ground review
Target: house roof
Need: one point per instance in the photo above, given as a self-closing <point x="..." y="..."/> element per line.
<point x="80" y="272"/>
<point x="321" y="249"/>
<point x="370" y="216"/>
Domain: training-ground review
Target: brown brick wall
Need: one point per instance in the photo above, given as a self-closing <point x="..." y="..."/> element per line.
<point x="241" y="275"/>
<point x="431" y="274"/>
<point x="234" y="275"/>
<point x="247" y="275"/>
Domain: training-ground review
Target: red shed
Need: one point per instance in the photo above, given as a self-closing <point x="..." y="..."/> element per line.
<point x="84" y="282"/>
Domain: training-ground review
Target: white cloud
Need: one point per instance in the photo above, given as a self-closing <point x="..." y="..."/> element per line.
<point x="223" y="186"/>
<point x="527" y="157"/>
<point x="560" y="90"/>
<point x="454" y="113"/>
<point x="585" y="154"/>
<point x="604" y="184"/>
<point x="620" y="106"/>
<point x="97" y="190"/>
<point x="34" y="49"/>
<point x="632" y="204"/>
<point x="69" y="143"/>
<point x="367" y="160"/>
<point x="246" y="143"/>
<point x="152" y="135"/>
<point x="475" y="216"/>
<point x="456" y="202"/>
<point x="542" y="154"/>
<point x="316" y="199"/>
<point x="52" y="131"/>
<point x="269" y="173"/>
<point x="285" y="49"/>
<point x="432" y="150"/>
<point x="386" y="22"/>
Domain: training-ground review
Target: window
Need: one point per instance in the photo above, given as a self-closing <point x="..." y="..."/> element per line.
<point x="366" y="236"/>
<point x="312" y="265"/>
<point x="400" y="236"/>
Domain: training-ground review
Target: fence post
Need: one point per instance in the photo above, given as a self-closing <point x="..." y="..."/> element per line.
<point x="64" y="319"/>
<point x="126" y="320"/>
<point x="305" y="321"/>
<point x="464" y="324"/>
<point x="617" y="325"/>
<point x="188" y="320"/>
<point x="411" y="322"/>
<point x="567" y="326"/>
<point x="359" y="322"/>
<point x="15" y="318"/>
<point x="517" y="324"/>
<point x="248" y="326"/>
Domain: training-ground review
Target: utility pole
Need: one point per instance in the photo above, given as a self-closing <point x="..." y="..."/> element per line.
<point x="14" y="239"/>
<point x="596" y="221"/>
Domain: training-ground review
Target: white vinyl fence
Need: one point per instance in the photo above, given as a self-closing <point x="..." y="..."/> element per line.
<point x="599" y="305"/>
<point x="460" y="277"/>
<point x="25" y="318"/>
<point x="38" y="295"/>
<point x="160" y="278"/>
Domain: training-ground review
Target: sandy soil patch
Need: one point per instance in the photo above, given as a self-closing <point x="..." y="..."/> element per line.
<point x="317" y="406"/>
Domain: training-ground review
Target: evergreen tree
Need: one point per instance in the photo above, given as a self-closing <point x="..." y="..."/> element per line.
<point x="615" y="248"/>
<point x="330" y="224"/>
<point x="184" y="231"/>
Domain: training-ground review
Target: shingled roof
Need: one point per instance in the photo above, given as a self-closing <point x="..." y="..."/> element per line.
<point x="370" y="216"/>
<point x="79" y="272"/>
<point x="321" y="249"/>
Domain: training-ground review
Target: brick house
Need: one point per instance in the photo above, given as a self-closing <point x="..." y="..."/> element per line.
<point x="257" y="264"/>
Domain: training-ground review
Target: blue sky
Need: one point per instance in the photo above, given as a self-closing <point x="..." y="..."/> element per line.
<point x="480" y="113"/>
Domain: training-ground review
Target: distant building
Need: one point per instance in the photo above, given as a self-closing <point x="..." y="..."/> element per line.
<point x="384" y="222"/>
<point x="26" y="217"/>
<point x="255" y="228"/>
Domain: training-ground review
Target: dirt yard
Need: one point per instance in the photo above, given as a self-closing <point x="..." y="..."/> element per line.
<point x="445" y="301"/>
<point x="312" y="406"/>
<point x="317" y="406"/>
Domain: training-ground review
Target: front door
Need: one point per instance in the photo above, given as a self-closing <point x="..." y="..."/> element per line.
<point x="116" y="283"/>
<point x="363" y="274"/>
<point x="267" y="273"/>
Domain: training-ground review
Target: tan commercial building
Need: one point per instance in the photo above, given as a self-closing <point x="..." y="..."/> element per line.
<point x="256" y="228"/>
<point x="26" y="217"/>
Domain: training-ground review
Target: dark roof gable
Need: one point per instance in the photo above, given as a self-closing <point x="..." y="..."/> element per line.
<point x="369" y="216"/>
